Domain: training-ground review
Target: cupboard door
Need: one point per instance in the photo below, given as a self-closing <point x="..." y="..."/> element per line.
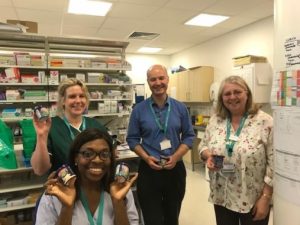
<point x="183" y="86"/>
<point x="200" y="80"/>
<point x="173" y="86"/>
<point x="258" y="76"/>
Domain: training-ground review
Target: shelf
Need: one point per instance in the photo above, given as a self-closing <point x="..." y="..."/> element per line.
<point x="21" y="188"/>
<point x="95" y="114"/>
<point x="18" y="170"/>
<point x="18" y="101"/>
<point x="24" y="84"/>
<point x="100" y="84"/>
<point x="22" y="67"/>
<point x="110" y="99"/>
<point x="13" y="208"/>
<point x="87" y="68"/>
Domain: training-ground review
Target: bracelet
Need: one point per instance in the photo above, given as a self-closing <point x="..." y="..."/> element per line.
<point x="266" y="196"/>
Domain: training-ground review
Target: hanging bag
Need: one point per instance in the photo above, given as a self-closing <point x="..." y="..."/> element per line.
<point x="28" y="138"/>
<point x="7" y="154"/>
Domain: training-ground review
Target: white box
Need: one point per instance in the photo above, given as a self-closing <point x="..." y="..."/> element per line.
<point x="93" y="77"/>
<point x="42" y="77"/>
<point x="63" y="77"/>
<point x="107" y="106"/>
<point x="80" y="76"/>
<point x="113" y="106"/>
<point x="101" y="108"/>
<point x="23" y="59"/>
<point x="53" y="79"/>
<point x="12" y="95"/>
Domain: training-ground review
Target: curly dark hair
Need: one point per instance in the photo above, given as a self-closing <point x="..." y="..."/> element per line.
<point x="85" y="136"/>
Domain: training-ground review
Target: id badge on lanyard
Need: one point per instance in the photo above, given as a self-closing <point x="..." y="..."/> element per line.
<point x="165" y="143"/>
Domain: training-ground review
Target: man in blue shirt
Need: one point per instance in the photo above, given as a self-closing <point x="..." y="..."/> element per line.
<point x="160" y="132"/>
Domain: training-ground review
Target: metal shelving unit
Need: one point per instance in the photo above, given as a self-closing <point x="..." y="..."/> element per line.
<point x="85" y="51"/>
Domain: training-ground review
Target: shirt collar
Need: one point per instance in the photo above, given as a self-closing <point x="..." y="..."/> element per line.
<point x="167" y="102"/>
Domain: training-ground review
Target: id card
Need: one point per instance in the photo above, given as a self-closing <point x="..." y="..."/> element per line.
<point x="233" y="138"/>
<point x="165" y="144"/>
<point x="228" y="168"/>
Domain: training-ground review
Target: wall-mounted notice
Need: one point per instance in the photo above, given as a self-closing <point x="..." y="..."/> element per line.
<point x="287" y="153"/>
<point x="286" y="88"/>
<point x="292" y="51"/>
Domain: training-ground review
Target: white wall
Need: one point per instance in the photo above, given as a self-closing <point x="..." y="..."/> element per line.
<point x="140" y="65"/>
<point x="254" y="39"/>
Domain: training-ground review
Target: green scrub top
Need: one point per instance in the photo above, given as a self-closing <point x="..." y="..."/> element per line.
<point x="59" y="139"/>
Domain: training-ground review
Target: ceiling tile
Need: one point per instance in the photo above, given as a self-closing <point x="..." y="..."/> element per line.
<point x="5" y="3"/>
<point x="40" y="16"/>
<point x="8" y="13"/>
<point x="171" y="16"/>
<point x="262" y="10"/>
<point x="132" y="11"/>
<point x="49" y="29"/>
<point x="146" y="2"/>
<point x="232" y="7"/>
<point x="83" y="20"/>
<point x="53" y="5"/>
<point x="113" y="34"/>
<point x="121" y="24"/>
<point x="190" y="4"/>
<point x="78" y="30"/>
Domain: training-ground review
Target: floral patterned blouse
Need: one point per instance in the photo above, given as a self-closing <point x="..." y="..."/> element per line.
<point x="252" y="156"/>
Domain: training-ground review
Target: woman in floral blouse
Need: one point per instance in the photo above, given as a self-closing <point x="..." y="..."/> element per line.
<point x="240" y="187"/>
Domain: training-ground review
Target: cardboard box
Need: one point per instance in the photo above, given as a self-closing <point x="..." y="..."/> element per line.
<point x="32" y="27"/>
<point x="247" y="59"/>
<point x="30" y="79"/>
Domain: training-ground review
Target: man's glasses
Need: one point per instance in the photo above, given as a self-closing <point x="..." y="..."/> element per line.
<point x="89" y="154"/>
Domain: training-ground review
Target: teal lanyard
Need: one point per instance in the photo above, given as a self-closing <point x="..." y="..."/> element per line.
<point x="229" y="142"/>
<point x="69" y="127"/>
<point x="157" y="120"/>
<point x="83" y="199"/>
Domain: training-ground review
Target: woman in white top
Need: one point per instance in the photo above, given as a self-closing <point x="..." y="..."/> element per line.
<point x="93" y="197"/>
<point x="241" y="190"/>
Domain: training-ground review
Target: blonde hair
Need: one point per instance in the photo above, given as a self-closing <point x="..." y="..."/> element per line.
<point x="64" y="85"/>
<point x="251" y="107"/>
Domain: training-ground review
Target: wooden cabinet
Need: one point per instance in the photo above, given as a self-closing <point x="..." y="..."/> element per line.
<point x="192" y="85"/>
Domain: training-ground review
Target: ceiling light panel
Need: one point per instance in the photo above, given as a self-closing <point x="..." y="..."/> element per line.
<point x="86" y="7"/>
<point x="206" y="20"/>
<point x="149" y="50"/>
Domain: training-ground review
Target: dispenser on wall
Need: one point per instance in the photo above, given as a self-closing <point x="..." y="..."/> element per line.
<point x="213" y="93"/>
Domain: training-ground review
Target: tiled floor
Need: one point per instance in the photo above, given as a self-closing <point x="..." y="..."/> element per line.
<point x="196" y="209"/>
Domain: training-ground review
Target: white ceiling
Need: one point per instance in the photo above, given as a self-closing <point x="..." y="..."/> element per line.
<point x="165" y="17"/>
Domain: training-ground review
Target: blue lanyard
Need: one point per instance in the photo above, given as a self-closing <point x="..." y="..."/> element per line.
<point x="230" y="143"/>
<point x="83" y="199"/>
<point x="69" y="127"/>
<point x="157" y="120"/>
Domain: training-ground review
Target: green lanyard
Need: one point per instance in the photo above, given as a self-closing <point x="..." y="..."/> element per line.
<point x="229" y="142"/>
<point x="69" y="127"/>
<point x="157" y="120"/>
<point x="83" y="199"/>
